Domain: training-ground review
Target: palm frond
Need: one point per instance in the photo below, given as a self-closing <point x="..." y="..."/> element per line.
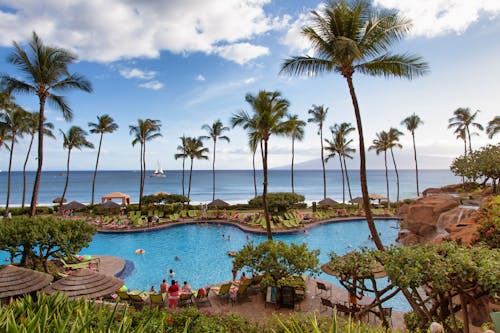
<point x="405" y="66"/>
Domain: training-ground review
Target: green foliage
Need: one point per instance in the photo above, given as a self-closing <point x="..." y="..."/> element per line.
<point x="483" y="163"/>
<point x="277" y="260"/>
<point x="280" y="202"/>
<point x="489" y="230"/>
<point x="25" y="211"/>
<point x="164" y="199"/>
<point x="39" y="238"/>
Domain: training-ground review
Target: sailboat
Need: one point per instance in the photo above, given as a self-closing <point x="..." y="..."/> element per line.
<point x="158" y="172"/>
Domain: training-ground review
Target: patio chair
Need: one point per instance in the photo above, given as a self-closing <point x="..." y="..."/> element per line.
<point x="240" y="294"/>
<point x="185" y="299"/>
<point x="157" y="299"/>
<point x="223" y="292"/>
<point x="138" y="300"/>
<point x="123" y="296"/>
<point x="323" y="288"/>
<point x="202" y="297"/>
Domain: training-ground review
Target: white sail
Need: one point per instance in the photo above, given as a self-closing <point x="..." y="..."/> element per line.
<point x="159" y="171"/>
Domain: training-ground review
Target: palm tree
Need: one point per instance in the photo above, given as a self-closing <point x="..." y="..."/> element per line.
<point x="194" y="150"/>
<point x="15" y="122"/>
<point x="47" y="73"/>
<point x="182" y="148"/>
<point x="462" y="135"/>
<point x="363" y="48"/>
<point x="333" y="148"/>
<point x="412" y="122"/>
<point x="32" y="129"/>
<point x="105" y="124"/>
<point x="296" y="132"/>
<point x="381" y="144"/>
<point x="463" y="119"/>
<point x="145" y="130"/>
<point x="253" y="143"/>
<point x="394" y="135"/>
<point x="215" y="132"/>
<point x="269" y="112"/>
<point x="493" y="127"/>
<point x="345" y="151"/>
<point x="319" y="116"/>
<point x="75" y="138"/>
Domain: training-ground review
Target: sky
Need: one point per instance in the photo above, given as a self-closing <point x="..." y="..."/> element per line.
<point x="188" y="63"/>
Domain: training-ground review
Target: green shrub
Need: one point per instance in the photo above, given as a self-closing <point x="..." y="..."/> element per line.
<point x="489" y="230"/>
<point x="278" y="202"/>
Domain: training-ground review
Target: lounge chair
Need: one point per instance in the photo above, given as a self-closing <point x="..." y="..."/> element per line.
<point x="76" y="266"/>
<point x="223" y="292"/>
<point x="202" y="297"/>
<point x="157" y="299"/>
<point x="185" y="299"/>
<point x="322" y="287"/>
<point x="241" y="293"/>
<point x="138" y="300"/>
<point x="123" y="295"/>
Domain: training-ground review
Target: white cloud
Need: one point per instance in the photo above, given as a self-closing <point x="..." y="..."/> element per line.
<point x="200" y="78"/>
<point x="131" y="73"/>
<point x="249" y="80"/>
<point x="293" y="37"/>
<point x="153" y="85"/>
<point x="241" y="53"/>
<point x="438" y="17"/>
<point x="111" y="30"/>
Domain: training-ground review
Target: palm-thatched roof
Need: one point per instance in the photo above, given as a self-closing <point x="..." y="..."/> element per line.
<point x="378" y="271"/>
<point x="218" y="203"/>
<point x="357" y="200"/>
<point x="328" y="202"/>
<point x="75" y="205"/>
<point x="59" y="199"/>
<point x="376" y="196"/>
<point x="109" y="205"/>
<point x="18" y="281"/>
<point x="85" y="283"/>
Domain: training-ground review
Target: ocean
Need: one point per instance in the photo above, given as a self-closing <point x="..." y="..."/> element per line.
<point x="233" y="186"/>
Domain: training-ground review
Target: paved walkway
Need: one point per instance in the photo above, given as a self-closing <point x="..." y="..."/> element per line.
<point x="110" y="265"/>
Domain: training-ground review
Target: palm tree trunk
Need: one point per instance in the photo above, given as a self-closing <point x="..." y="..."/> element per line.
<point x="24" y="168"/>
<point x="264" y="194"/>
<point x="362" y="168"/>
<point x="323" y="161"/>
<point x="11" y="153"/>
<point x="293" y="157"/>
<point x="140" y="179"/>
<point x="213" y="174"/>
<point x="343" y="183"/>
<point x="387" y="179"/>
<point x="468" y="136"/>
<point x="38" y="176"/>
<point x="183" y="168"/>
<point x="254" y="174"/>
<point x="416" y="163"/>
<point x="95" y="171"/>
<point x="397" y="175"/>
<point x="67" y="178"/>
<point x="347" y="178"/>
<point x="190" y="177"/>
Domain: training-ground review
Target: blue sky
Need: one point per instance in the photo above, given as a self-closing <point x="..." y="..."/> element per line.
<point x="188" y="63"/>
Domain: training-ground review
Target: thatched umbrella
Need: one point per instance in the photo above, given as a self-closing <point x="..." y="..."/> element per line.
<point x="161" y="193"/>
<point x="328" y="202"/>
<point x="59" y="199"/>
<point x="18" y="281"/>
<point x="75" y="205"/>
<point x="357" y="200"/>
<point x="85" y="283"/>
<point x="376" y="196"/>
<point x="218" y="203"/>
<point x="378" y="271"/>
<point x="109" y="205"/>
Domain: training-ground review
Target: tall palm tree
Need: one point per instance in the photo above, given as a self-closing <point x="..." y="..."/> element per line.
<point x="318" y="113"/>
<point x="145" y="130"/>
<point x="75" y="138"/>
<point x="296" y="132"/>
<point x="411" y="123"/>
<point x="268" y="118"/>
<point x="182" y="148"/>
<point x="462" y="135"/>
<point x="194" y="150"/>
<point x="493" y="127"/>
<point x="343" y="130"/>
<point x="215" y="132"/>
<point x="394" y="135"/>
<point x="333" y="148"/>
<point x="47" y="72"/>
<point x="105" y="124"/>
<point x="363" y="48"/>
<point x="462" y="118"/>
<point x="15" y="122"/>
<point x="381" y="144"/>
<point x="253" y="143"/>
<point x="32" y="129"/>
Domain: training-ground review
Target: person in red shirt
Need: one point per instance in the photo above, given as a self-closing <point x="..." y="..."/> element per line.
<point x="173" y="294"/>
<point x="164" y="286"/>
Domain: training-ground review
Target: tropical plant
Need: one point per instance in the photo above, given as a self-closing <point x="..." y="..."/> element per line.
<point x="183" y="155"/>
<point x="318" y="113"/>
<point x="393" y="137"/>
<point x="15" y="123"/>
<point x="296" y="132"/>
<point x="463" y="120"/>
<point x="32" y="129"/>
<point x="381" y="144"/>
<point x="75" y="138"/>
<point x="279" y="201"/>
<point x="47" y="72"/>
<point x="411" y="123"/>
<point x="105" y="124"/>
<point x="215" y="132"/>
<point x="341" y="146"/>
<point x="488" y="231"/>
<point x="145" y="130"/>
<point x="194" y="150"/>
<point x="269" y="112"/>
<point x="493" y="127"/>
<point x="363" y="48"/>
<point x="333" y="150"/>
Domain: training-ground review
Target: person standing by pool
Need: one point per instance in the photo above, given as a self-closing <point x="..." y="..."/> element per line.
<point x="164" y="286"/>
<point x="173" y="294"/>
<point x="186" y="287"/>
<point x="235" y="272"/>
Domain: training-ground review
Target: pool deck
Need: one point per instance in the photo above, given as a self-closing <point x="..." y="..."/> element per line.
<point x="110" y="265"/>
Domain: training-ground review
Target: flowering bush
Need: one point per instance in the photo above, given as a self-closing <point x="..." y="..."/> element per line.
<point x="489" y="230"/>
